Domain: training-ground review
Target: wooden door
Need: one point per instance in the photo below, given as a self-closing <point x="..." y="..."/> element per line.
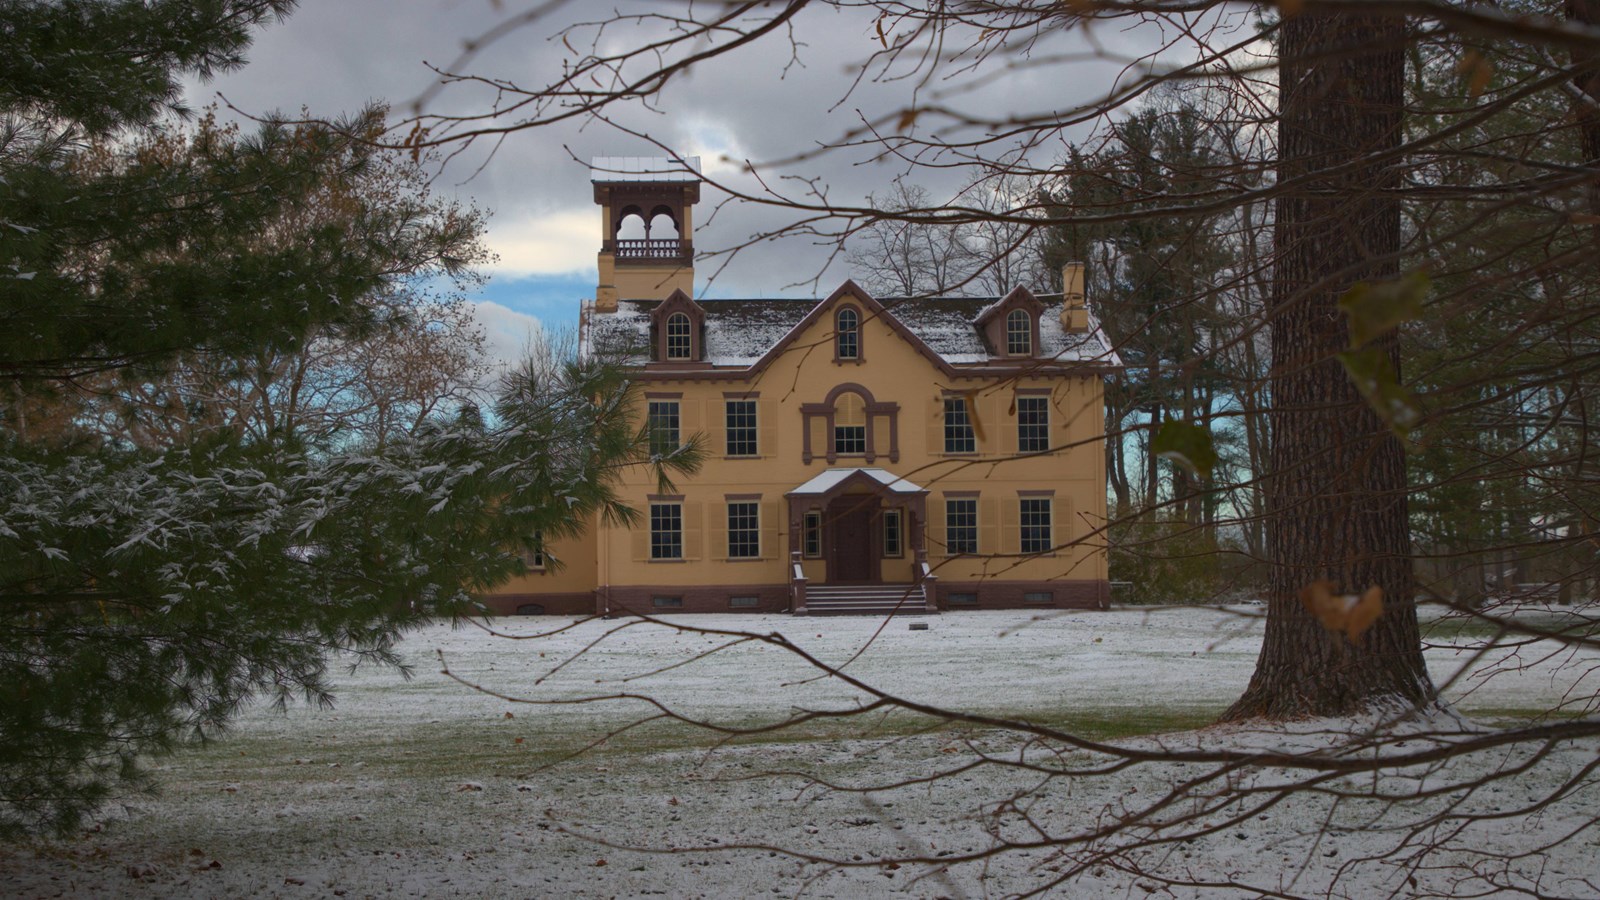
<point x="852" y="548"/>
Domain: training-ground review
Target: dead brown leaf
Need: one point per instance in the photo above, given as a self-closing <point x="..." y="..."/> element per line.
<point x="1364" y="612"/>
<point x="1346" y="614"/>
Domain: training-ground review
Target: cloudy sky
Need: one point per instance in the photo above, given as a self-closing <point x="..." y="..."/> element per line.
<point x="762" y="103"/>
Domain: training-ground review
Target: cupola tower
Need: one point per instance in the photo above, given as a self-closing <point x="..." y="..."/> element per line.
<point x="645" y="213"/>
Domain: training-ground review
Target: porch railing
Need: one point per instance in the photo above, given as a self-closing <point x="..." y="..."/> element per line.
<point x="797" y="585"/>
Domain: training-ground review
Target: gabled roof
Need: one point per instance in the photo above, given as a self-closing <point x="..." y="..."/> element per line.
<point x="1019" y="298"/>
<point x="832" y="479"/>
<point x="746" y="335"/>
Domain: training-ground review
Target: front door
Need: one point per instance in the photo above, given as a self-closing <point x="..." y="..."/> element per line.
<point x="852" y="550"/>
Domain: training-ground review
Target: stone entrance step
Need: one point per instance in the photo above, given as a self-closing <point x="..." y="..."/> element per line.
<point x="866" y="600"/>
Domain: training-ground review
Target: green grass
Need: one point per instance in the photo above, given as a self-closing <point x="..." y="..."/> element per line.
<point x="1454" y="628"/>
<point x="490" y="749"/>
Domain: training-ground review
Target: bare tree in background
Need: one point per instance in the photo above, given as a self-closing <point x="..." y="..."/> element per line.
<point x="422" y="357"/>
<point x="1454" y="225"/>
<point x="906" y="259"/>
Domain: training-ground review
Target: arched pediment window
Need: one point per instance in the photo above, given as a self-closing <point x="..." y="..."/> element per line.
<point x="847" y="334"/>
<point x="849" y="422"/>
<point x="849" y="425"/>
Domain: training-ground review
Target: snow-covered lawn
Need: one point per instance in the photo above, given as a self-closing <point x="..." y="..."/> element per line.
<point x="428" y="788"/>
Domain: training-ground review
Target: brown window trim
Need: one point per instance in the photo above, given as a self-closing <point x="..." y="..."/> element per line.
<point x="1033" y="333"/>
<point x="874" y="410"/>
<point x="861" y="350"/>
<point x="966" y="398"/>
<point x="803" y="516"/>
<point x="900" y="529"/>
<point x="743" y="397"/>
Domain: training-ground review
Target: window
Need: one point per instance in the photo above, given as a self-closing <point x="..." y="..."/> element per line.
<point x="667" y="602"/>
<point x="958" y="434"/>
<point x="741" y="418"/>
<point x="744" y="531"/>
<point x="1038" y="597"/>
<point x="743" y="602"/>
<point x="663" y="426"/>
<point x="847" y="334"/>
<point x="1019" y="333"/>
<point x="849" y="426"/>
<point x="812" y="531"/>
<point x="961" y="526"/>
<point x="1033" y="424"/>
<point x="852" y="424"/>
<point x="1036" y="525"/>
<point x="534" y="558"/>
<point x="892" y="544"/>
<point x="666" y="531"/>
<point x="962" y="598"/>
<point x="849" y="439"/>
<point x="679" y="343"/>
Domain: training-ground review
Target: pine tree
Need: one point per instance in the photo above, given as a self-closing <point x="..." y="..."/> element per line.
<point x="145" y="595"/>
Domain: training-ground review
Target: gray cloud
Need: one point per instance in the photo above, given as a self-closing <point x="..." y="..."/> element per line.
<point x="760" y="104"/>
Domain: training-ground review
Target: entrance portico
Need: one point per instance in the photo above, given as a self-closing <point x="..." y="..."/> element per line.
<point x="863" y="531"/>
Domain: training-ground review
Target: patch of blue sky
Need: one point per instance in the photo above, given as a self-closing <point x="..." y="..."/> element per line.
<point x="552" y="299"/>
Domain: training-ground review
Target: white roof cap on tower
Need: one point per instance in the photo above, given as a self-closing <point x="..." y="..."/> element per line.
<point x="643" y="168"/>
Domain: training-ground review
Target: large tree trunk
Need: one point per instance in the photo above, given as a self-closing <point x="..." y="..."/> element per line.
<point x="1587" y="12"/>
<point x="1336" y="485"/>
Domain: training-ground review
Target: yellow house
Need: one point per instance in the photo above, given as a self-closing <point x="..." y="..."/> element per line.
<point x="862" y="455"/>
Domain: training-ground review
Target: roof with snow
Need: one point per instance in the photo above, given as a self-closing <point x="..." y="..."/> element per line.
<point x="618" y="169"/>
<point x="739" y="333"/>
<point x="828" y="479"/>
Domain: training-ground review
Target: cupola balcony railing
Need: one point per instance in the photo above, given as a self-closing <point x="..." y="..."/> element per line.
<point x="649" y="248"/>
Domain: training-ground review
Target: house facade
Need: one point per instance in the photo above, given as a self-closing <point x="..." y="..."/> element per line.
<point x="861" y="454"/>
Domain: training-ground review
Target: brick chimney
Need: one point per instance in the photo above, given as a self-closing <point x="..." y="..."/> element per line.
<point x="1074" y="315"/>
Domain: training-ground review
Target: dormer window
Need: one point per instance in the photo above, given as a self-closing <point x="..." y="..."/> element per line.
<point x="1019" y="333"/>
<point x="680" y="344"/>
<point x="1010" y="326"/>
<point x="677" y="331"/>
<point x="847" y="334"/>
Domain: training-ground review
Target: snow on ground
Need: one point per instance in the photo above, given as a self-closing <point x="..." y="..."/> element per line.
<point x="426" y="788"/>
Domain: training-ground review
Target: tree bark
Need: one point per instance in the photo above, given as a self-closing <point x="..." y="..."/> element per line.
<point x="1336" y="484"/>
<point x="1587" y="80"/>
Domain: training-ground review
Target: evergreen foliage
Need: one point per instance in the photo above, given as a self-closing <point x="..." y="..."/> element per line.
<point x="146" y="593"/>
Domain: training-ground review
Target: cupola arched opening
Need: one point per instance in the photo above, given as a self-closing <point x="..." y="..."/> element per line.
<point x="663" y="224"/>
<point x="631" y="225"/>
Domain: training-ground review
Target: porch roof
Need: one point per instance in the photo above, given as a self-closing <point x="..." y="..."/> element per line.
<point x="828" y="479"/>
